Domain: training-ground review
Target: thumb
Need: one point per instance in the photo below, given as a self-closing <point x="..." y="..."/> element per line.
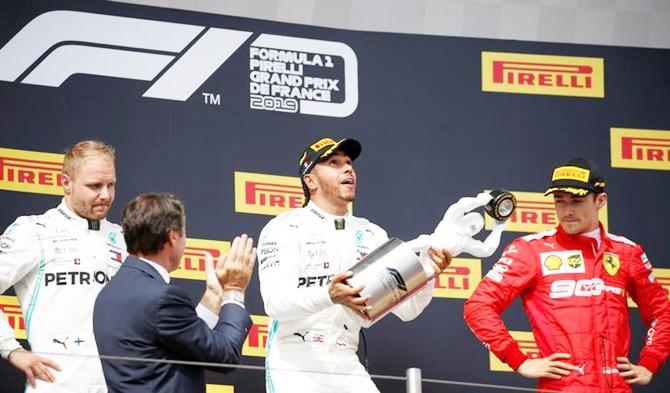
<point x="340" y="277"/>
<point x="209" y="265"/>
<point x="209" y="260"/>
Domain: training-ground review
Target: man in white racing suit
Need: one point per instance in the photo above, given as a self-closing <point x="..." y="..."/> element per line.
<point x="303" y="256"/>
<point x="57" y="263"/>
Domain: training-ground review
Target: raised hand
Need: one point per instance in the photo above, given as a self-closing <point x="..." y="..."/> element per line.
<point x="235" y="269"/>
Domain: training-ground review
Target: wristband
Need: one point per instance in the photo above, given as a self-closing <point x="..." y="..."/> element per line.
<point x="233" y="296"/>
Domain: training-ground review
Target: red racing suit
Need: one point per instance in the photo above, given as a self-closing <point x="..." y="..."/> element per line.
<point x="575" y="296"/>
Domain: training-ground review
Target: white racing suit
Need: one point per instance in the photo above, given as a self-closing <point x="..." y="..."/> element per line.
<point x="57" y="266"/>
<point x="312" y="342"/>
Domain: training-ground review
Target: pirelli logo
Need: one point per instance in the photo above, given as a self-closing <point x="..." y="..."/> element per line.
<point x="640" y="149"/>
<point x="460" y="279"/>
<point x="257" y="339"/>
<point x="663" y="278"/>
<point x="543" y="74"/>
<point x="571" y="173"/>
<point x="526" y="344"/>
<point x="31" y="171"/>
<point x="192" y="264"/>
<point x="211" y="388"/>
<point x="535" y="213"/>
<point x="260" y="193"/>
<point x="10" y="307"/>
<point x="266" y="194"/>
<point x="321" y="143"/>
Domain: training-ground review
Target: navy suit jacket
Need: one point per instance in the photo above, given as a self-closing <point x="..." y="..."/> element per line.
<point x="138" y="315"/>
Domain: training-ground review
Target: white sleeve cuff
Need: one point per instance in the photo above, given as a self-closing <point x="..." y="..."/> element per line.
<point x="207" y="316"/>
<point x="9" y="347"/>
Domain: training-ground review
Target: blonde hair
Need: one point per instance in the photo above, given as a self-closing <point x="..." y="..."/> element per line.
<point x="80" y="151"/>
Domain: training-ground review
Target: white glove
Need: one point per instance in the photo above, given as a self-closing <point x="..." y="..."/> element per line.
<point x="456" y="230"/>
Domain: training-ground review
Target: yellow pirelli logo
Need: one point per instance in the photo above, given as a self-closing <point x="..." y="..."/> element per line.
<point x="571" y="173"/>
<point x="460" y="279"/>
<point x="543" y="74"/>
<point x="10" y="307"/>
<point x="640" y="149"/>
<point x="257" y="339"/>
<point x="192" y="265"/>
<point x="266" y="194"/>
<point x="321" y="143"/>
<point x="663" y="278"/>
<point x="535" y="213"/>
<point x="211" y="388"/>
<point x="527" y="345"/>
<point x="31" y="171"/>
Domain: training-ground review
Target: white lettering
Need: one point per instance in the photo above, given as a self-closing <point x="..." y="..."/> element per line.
<point x="583" y="288"/>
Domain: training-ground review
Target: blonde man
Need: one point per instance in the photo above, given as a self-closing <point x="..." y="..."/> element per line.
<point x="57" y="263"/>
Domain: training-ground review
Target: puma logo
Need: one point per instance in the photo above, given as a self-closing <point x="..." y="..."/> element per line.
<point x="56" y="341"/>
<point x="580" y="368"/>
<point x="301" y="335"/>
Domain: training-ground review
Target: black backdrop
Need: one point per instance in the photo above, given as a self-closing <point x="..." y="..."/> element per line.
<point x="430" y="135"/>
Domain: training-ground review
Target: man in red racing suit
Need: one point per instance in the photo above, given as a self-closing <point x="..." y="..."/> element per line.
<point x="574" y="281"/>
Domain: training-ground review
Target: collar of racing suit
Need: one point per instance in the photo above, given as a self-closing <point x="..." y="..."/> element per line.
<point x="73" y="218"/>
<point x="585" y="242"/>
<point x="320" y="214"/>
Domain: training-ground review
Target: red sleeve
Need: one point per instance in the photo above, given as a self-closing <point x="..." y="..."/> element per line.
<point x="514" y="272"/>
<point x="654" y="307"/>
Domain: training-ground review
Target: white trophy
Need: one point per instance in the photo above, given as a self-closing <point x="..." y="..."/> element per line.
<point x="396" y="270"/>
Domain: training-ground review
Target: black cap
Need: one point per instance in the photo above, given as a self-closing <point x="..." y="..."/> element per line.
<point x="322" y="149"/>
<point x="578" y="176"/>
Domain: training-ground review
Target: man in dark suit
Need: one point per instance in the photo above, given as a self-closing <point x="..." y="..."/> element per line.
<point x="140" y="315"/>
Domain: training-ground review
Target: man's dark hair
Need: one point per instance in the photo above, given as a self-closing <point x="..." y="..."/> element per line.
<point x="148" y="219"/>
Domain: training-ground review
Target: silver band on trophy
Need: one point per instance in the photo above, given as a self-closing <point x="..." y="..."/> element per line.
<point x="391" y="273"/>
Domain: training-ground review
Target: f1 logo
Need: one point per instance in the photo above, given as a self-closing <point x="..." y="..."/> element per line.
<point x="184" y="55"/>
<point x="212" y="48"/>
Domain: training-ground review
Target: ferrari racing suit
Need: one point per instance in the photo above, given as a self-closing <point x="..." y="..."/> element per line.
<point x="299" y="251"/>
<point x="575" y="294"/>
<point x="57" y="266"/>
